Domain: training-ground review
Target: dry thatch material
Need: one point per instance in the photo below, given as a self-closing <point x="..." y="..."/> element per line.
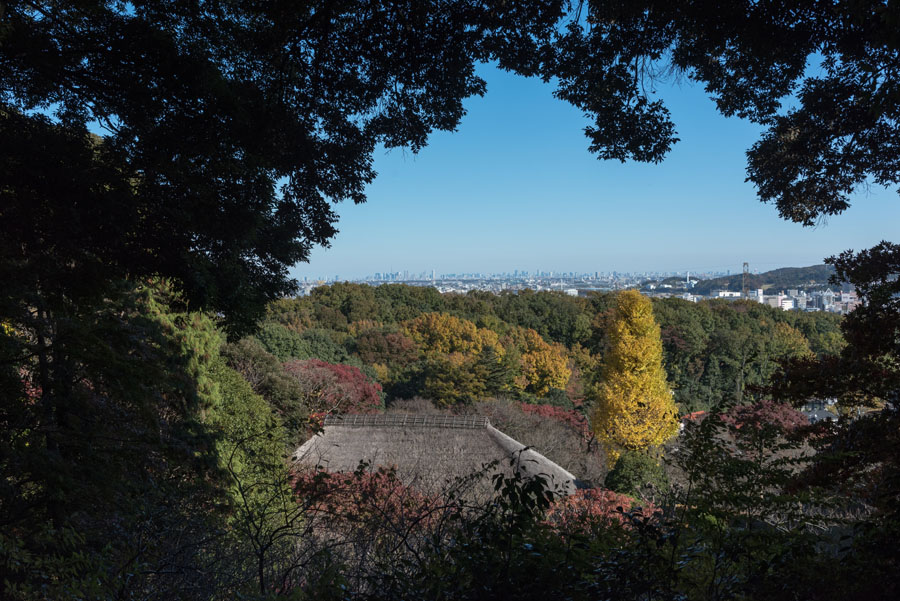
<point x="427" y="451"/>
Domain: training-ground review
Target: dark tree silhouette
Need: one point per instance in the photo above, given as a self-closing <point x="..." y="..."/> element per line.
<point x="228" y="128"/>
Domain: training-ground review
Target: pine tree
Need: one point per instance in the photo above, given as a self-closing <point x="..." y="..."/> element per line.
<point x="634" y="406"/>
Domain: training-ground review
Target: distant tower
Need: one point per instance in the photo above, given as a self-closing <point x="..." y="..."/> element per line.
<point x="746" y="285"/>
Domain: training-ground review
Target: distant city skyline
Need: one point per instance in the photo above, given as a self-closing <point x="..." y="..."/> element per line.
<point x="410" y="274"/>
<point x="515" y="188"/>
<point x="718" y="271"/>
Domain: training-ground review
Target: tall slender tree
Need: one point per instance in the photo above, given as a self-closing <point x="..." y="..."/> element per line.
<point x="634" y="406"/>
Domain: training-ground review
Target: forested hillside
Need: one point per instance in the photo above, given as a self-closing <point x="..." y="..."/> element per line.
<point x="802" y="278"/>
<point x="536" y="347"/>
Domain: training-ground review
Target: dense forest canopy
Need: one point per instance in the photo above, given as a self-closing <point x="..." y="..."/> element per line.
<point x="540" y="347"/>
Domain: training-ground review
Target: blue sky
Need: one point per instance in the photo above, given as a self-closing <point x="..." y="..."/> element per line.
<point x="515" y="188"/>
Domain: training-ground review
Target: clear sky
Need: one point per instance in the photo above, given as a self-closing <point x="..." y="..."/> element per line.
<point x="515" y="188"/>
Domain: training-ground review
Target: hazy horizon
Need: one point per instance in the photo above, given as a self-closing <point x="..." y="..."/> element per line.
<point x="560" y="273"/>
<point x="515" y="188"/>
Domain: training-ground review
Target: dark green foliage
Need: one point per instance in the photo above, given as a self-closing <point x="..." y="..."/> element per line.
<point x="267" y="377"/>
<point x="282" y="342"/>
<point x="50" y="564"/>
<point x="72" y="248"/>
<point x="355" y="302"/>
<point x="474" y="305"/>
<point x="557" y="398"/>
<point x="639" y="475"/>
<point x="860" y="457"/>
<point x="865" y="372"/>
<point x="722" y="351"/>
<point x="120" y="456"/>
<point x="686" y="333"/>
<point x="499" y="372"/>
<point x="107" y="439"/>
<point x="822" y="330"/>
<point x="228" y="130"/>
<point x="494" y="551"/>
<point x="408" y="302"/>
<point x="834" y="137"/>
<point x="320" y="344"/>
<point x="556" y="316"/>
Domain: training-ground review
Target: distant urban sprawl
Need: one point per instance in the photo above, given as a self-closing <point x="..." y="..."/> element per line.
<point x="691" y="286"/>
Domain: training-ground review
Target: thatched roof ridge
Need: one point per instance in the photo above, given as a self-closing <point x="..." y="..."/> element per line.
<point x="402" y="420"/>
<point x="530" y="462"/>
<point x="428" y="451"/>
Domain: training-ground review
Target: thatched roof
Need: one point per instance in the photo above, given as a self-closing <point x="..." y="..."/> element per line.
<point x="427" y="450"/>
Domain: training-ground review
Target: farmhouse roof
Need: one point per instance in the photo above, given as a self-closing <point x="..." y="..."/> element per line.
<point x="426" y="450"/>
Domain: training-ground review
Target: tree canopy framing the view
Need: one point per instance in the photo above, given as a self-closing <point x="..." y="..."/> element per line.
<point x="229" y="128"/>
<point x="822" y="77"/>
<point x="164" y="164"/>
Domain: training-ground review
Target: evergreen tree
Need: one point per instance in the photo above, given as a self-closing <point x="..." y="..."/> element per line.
<point x="637" y="474"/>
<point x="634" y="408"/>
<point x="499" y="369"/>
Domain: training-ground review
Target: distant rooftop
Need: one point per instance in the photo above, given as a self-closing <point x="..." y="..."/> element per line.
<point x="429" y="451"/>
<point x="473" y="422"/>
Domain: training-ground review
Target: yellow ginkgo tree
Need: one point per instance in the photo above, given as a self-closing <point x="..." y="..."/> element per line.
<point x="634" y="407"/>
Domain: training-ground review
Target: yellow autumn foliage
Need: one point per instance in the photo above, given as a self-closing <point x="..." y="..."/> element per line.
<point x="363" y="325"/>
<point x="790" y="342"/>
<point x="443" y="333"/>
<point x="453" y="340"/>
<point x="544" y="365"/>
<point x="490" y="338"/>
<point x="634" y="405"/>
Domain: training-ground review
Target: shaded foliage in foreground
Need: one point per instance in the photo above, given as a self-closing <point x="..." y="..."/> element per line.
<point x="735" y="528"/>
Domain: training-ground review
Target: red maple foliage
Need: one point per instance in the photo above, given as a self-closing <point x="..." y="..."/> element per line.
<point x="330" y="388"/>
<point x="765" y="413"/>
<point x="32" y="390"/>
<point x="595" y="508"/>
<point x="377" y="497"/>
<point x="375" y="346"/>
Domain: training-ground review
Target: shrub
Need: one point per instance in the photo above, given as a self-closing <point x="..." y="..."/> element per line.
<point x="329" y="388"/>
<point x="637" y="473"/>
<point x="280" y="341"/>
<point x="594" y="510"/>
